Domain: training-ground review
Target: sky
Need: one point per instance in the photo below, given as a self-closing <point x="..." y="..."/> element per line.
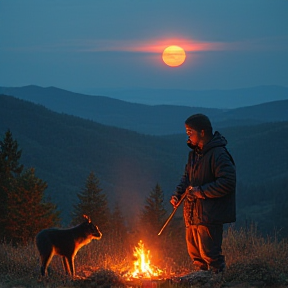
<point x="86" y="46"/>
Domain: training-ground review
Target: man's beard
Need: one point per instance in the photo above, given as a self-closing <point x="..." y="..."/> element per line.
<point x="192" y="146"/>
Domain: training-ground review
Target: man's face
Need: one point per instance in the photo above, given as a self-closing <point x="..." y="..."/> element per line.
<point x="195" y="137"/>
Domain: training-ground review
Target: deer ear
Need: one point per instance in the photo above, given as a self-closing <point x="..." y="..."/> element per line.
<point x="88" y="218"/>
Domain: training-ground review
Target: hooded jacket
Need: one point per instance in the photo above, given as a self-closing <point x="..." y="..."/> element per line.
<point x="212" y="170"/>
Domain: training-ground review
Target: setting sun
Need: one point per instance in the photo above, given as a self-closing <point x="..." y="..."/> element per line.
<point x="174" y="56"/>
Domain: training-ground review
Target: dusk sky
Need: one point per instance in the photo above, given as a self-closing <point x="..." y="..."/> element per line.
<point x="86" y="46"/>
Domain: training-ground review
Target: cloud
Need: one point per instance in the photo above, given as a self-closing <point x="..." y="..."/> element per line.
<point x="148" y="46"/>
<point x="157" y="46"/>
<point x="261" y="44"/>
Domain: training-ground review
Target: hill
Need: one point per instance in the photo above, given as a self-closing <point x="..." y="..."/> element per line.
<point x="220" y="99"/>
<point x="146" y="119"/>
<point x="64" y="149"/>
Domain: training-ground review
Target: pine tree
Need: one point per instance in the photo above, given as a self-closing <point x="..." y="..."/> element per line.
<point x="152" y="216"/>
<point x="28" y="212"/>
<point x="9" y="157"/>
<point x="92" y="202"/>
<point x="23" y="209"/>
<point x="9" y="170"/>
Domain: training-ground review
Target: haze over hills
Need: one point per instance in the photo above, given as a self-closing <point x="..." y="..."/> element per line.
<point x="220" y="99"/>
<point x="153" y="120"/>
<point x="65" y="149"/>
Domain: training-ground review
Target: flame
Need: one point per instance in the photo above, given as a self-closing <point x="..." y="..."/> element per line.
<point x="142" y="267"/>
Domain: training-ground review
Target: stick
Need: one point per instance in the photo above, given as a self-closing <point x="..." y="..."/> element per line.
<point x="173" y="212"/>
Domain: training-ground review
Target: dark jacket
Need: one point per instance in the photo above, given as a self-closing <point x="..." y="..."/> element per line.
<point x="211" y="169"/>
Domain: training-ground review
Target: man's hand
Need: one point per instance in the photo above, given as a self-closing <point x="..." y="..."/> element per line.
<point x="194" y="192"/>
<point x="174" y="200"/>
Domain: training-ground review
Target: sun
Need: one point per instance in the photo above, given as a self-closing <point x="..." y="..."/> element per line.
<point x="173" y="56"/>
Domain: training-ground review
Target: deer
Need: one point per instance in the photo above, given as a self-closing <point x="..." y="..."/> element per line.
<point x="65" y="243"/>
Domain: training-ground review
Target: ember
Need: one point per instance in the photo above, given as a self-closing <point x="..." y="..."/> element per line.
<point x="142" y="267"/>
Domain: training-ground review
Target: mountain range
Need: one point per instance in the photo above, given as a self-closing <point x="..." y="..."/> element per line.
<point x="64" y="149"/>
<point x="220" y="99"/>
<point x="147" y="119"/>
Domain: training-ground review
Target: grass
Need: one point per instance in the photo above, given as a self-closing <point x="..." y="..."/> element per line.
<point x="252" y="261"/>
<point x="255" y="259"/>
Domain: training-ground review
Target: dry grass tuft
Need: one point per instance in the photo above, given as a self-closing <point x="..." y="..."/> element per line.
<point x="252" y="261"/>
<point x="255" y="259"/>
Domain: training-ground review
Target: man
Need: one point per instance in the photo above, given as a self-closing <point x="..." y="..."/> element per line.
<point x="209" y="183"/>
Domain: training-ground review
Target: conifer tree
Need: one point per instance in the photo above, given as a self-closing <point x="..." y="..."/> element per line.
<point x="23" y="209"/>
<point x="9" y="157"/>
<point x="152" y="216"/>
<point x="9" y="170"/>
<point x="92" y="202"/>
<point x="28" y="211"/>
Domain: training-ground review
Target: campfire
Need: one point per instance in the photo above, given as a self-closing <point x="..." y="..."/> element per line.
<point x="139" y="272"/>
<point x="143" y="269"/>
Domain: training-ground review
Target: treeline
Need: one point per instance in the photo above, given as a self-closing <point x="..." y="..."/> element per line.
<point x="64" y="150"/>
<point x="25" y="210"/>
<point x="23" y="207"/>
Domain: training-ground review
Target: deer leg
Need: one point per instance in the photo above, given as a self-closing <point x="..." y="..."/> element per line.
<point x="71" y="265"/>
<point x="45" y="261"/>
<point x="66" y="265"/>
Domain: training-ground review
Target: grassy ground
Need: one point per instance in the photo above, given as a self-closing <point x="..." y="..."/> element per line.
<point x="252" y="261"/>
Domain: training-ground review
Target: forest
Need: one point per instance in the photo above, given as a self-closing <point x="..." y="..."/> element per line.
<point x="64" y="149"/>
<point x="69" y="166"/>
<point x="251" y="259"/>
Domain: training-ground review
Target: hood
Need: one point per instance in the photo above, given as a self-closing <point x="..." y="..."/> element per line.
<point x="217" y="141"/>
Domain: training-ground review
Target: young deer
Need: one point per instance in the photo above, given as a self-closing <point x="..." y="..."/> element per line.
<point x="65" y="243"/>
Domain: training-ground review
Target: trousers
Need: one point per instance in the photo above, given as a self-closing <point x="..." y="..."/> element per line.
<point x="204" y="245"/>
